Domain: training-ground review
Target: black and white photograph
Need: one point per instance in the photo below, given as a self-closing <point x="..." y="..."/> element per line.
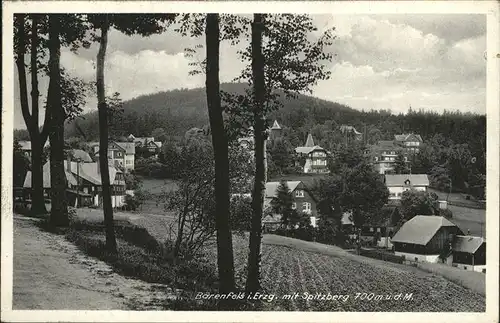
<point x="263" y="160"/>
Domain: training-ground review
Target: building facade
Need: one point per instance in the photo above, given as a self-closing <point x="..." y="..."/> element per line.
<point x="120" y="154"/>
<point x="399" y="183"/>
<point x="469" y="253"/>
<point x="424" y="238"/>
<point x="303" y="200"/>
<point x="410" y="142"/>
<point x="314" y="158"/>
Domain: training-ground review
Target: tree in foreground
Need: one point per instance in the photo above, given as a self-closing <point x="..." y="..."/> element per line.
<point x="283" y="58"/>
<point x="145" y="25"/>
<point x="58" y="181"/>
<point x="282" y="204"/>
<point x="37" y="138"/>
<point x="225" y="262"/>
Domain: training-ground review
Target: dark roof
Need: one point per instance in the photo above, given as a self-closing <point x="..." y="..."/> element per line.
<point x="400" y="180"/>
<point x="468" y="244"/>
<point x="420" y="229"/>
<point x="307" y="150"/>
<point x="309" y="180"/>
<point x="129" y="147"/>
<point x="272" y="187"/>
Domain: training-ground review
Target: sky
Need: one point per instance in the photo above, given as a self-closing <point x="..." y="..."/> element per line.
<point x="430" y="61"/>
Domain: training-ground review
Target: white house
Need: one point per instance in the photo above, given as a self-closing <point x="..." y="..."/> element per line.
<point x="120" y="154"/>
<point x="315" y="157"/>
<point x="399" y="183"/>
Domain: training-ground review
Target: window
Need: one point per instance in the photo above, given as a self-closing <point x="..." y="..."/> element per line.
<point x="393" y="153"/>
<point x="376" y="158"/>
<point x="406" y="159"/>
<point x="299" y="193"/>
<point x="306" y="207"/>
<point x="294" y="205"/>
<point x="118" y="154"/>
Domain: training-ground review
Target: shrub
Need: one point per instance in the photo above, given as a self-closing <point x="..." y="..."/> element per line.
<point x="447" y="213"/>
<point x="141" y="256"/>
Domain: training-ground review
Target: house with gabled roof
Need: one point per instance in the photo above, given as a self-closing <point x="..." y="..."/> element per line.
<point x="314" y="157"/>
<point x="303" y="200"/>
<point x="469" y="253"/>
<point x="84" y="183"/>
<point x="424" y="238"/>
<point x="120" y="154"/>
<point x="399" y="183"/>
<point x="147" y="144"/>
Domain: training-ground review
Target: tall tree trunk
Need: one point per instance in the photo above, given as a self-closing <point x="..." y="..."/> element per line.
<point x="31" y="120"/>
<point x="103" y="138"/>
<point x="58" y="182"/>
<point x="225" y="261"/>
<point x="260" y="136"/>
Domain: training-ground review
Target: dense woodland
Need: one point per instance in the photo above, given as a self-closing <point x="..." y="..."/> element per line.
<point x="179" y="110"/>
<point x="169" y="115"/>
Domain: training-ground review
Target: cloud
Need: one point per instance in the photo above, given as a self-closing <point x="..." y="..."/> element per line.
<point x="383" y="61"/>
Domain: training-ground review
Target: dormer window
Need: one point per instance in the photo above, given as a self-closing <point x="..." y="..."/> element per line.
<point x="299" y="193"/>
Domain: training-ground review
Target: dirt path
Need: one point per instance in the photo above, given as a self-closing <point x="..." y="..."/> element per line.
<point x="52" y="274"/>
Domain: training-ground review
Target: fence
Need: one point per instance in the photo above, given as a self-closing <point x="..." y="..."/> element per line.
<point x="382" y="255"/>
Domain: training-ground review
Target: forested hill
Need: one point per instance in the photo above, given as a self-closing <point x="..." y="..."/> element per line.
<point x="179" y="110"/>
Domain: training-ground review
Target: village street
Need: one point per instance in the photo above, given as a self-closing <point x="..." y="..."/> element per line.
<point x="47" y="264"/>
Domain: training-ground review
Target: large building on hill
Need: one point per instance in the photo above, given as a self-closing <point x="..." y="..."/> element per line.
<point x="120" y="154"/>
<point x="314" y="157"/>
<point x="410" y="142"/>
<point x="383" y="154"/>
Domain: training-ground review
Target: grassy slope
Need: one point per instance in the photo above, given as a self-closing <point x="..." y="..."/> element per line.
<point x="291" y="265"/>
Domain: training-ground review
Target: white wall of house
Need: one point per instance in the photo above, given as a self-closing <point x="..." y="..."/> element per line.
<point x="395" y="192"/>
<point x="417" y="257"/>
<point x="313" y="221"/>
<point x="129" y="161"/>
<point x="384" y="167"/>
<point x="478" y="268"/>
<point x="308" y="165"/>
<point x="385" y="242"/>
<point x="117" y="200"/>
